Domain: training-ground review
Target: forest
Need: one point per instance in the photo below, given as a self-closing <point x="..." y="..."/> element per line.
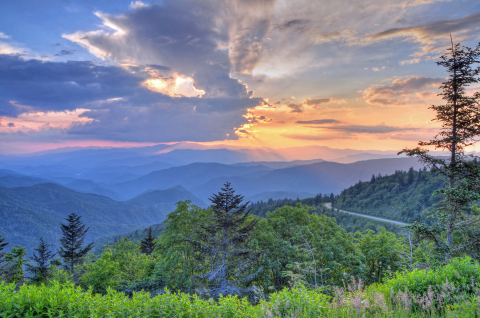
<point x="283" y="258"/>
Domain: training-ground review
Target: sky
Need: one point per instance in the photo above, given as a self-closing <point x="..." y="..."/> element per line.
<point x="256" y="73"/>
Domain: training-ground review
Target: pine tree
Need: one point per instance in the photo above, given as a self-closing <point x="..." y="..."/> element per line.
<point x="226" y="261"/>
<point x="148" y="244"/>
<point x="71" y="243"/>
<point x="15" y="259"/>
<point x="454" y="227"/>
<point x="373" y="179"/>
<point x="411" y="176"/>
<point x="42" y="261"/>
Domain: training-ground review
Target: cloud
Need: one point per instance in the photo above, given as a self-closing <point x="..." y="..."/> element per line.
<point x="349" y="131"/>
<point x="4" y="36"/>
<point x="166" y="76"/>
<point x="65" y="52"/>
<point x="317" y="137"/>
<point x="186" y="37"/>
<point x="120" y="107"/>
<point x="410" y="61"/>
<point x="299" y="25"/>
<point x="318" y="121"/>
<point x="137" y="5"/>
<point x="309" y="103"/>
<point x="433" y="34"/>
<point x="316" y="101"/>
<point x="44" y="86"/>
<point x="401" y="91"/>
<point x="361" y="129"/>
<point x="295" y="108"/>
<point x="341" y="35"/>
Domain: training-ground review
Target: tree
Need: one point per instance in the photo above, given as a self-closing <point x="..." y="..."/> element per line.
<point x="224" y="257"/>
<point x="148" y="244"/>
<point x="2" y="255"/>
<point x="411" y="176"/>
<point x="121" y="264"/>
<point x="304" y="247"/>
<point x="177" y="255"/>
<point x="42" y="262"/>
<point x="72" y="241"/>
<point x="454" y="227"/>
<point x="373" y="179"/>
<point x="382" y="252"/>
<point x="15" y="259"/>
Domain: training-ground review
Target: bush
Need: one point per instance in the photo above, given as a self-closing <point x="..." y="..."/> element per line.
<point x="460" y="277"/>
<point x="59" y="300"/>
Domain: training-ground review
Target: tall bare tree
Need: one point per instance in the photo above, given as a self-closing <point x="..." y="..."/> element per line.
<point x="454" y="225"/>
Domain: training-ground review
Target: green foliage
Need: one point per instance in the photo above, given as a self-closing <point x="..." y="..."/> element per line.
<point x="262" y="208"/>
<point x="15" y="261"/>
<point x="40" y="270"/>
<point x="401" y="196"/>
<point x="452" y="227"/>
<point x="121" y="264"/>
<point x="59" y="300"/>
<point x="177" y="256"/>
<point x="460" y="276"/>
<point x="283" y="236"/>
<point x="136" y="236"/>
<point x="72" y="250"/>
<point x="101" y="274"/>
<point x="349" y="222"/>
<point x="224" y="260"/>
<point x="382" y="253"/>
<point x="147" y="244"/>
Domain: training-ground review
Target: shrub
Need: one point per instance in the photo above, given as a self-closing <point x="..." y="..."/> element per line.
<point x="57" y="300"/>
<point x="460" y="277"/>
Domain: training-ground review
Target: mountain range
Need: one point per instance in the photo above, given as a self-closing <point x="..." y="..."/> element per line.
<point x="28" y="213"/>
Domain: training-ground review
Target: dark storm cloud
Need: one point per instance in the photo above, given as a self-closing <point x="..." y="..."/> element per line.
<point x="121" y="107"/>
<point x="201" y="40"/>
<point x="181" y="36"/>
<point x="54" y="86"/>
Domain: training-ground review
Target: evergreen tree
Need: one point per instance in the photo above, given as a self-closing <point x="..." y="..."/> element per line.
<point x="148" y="244"/>
<point x="42" y="261"/>
<point x="411" y="176"/>
<point x="373" y="179"/>
<point x="224" y="257"/>
<point x="454" y="227"/>
<point x="71" y="243"/>
<point x="15" y="259"/>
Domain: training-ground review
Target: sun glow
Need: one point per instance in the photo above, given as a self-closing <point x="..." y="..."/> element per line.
<point x="176" y="86"/>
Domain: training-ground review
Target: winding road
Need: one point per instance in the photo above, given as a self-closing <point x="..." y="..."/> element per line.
<point x="329" y="205"/>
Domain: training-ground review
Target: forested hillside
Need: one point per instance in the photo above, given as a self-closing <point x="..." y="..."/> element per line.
<point x="349" y="222"/>
<point x="401" y="196"/>
<point x="28" y="213"/>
